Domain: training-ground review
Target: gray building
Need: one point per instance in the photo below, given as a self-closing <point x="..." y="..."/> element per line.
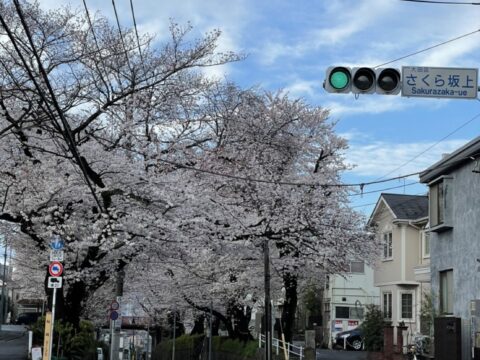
<point x="454" y="221"/>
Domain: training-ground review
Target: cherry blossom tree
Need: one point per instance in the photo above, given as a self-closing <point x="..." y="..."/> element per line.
<point x="138" y="161"/>
<point x="85" y="111"/>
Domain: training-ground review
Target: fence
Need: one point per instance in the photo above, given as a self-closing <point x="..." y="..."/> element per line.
<point x="279" y="346"/>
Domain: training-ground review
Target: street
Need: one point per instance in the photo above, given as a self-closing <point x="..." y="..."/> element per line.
<point x="13" y="345"/>
<point x="323" y="354"/>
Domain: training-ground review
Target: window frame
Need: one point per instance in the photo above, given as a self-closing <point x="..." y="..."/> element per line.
<point x="400" y="305"/>
<point x="387" y="239"/>
<point x="446" y="277"/>
<point x="426" y="237"/>
<point x="440" y="203"/>
<point x="358" y="262"/>
<point x="343" y="307"/>
<point x="387" y="304"/>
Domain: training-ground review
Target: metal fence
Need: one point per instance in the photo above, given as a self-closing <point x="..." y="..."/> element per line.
<point x="279" y="346"/>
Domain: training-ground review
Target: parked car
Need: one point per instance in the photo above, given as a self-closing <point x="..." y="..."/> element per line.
<point x="353" y="339"/>
<point x="27" y="318"/>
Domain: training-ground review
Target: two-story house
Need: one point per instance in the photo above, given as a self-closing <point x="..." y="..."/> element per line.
<point x="454" y="195"/>
<point x="345" y="298"/>
<point x="402" y="272"/>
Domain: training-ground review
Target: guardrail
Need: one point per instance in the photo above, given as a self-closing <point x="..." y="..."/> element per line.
<point x="279" y="345"/>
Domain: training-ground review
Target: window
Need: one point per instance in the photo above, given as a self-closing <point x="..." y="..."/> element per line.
<point x="356" y="313"/>
<point x="347" y="312"/>
<point x="425" y="244"/>
<point x="387" y="305"/>
<point x="440" y="199"/>
<point x="387" y="246"/>
<point x="357" y="267"/>
<point x="406" y="302"/>
<point x="446" y="292"/>
<point x="342" y="312"/>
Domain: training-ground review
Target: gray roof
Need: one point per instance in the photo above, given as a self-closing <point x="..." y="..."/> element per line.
<point x="459" y="157"/>
<point x="407" y="207"/>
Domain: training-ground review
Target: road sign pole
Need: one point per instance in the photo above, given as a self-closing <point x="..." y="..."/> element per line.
<point x="112" y="326"/>
<point x="53" y="322"/>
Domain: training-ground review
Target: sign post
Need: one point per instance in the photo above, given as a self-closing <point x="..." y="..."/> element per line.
<point x="55" y="269"/>
<point x="114" y="307"/>
<point x="47" y="336"/>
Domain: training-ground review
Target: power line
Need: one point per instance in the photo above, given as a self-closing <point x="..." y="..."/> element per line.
<point x="429" y="48"/>
<point x="67" y="133"/>
<point x="121" y="36"/>
<point x="431" y="146"/>
<point x="381" y="190"/>
<point x="443" y="2"/>
<point x="136" y="30"/>
<point x="98" y="47"/>
<point x="289" y="183"/>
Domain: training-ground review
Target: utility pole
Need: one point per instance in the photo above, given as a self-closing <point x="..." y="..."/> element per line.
<point x="210" y="332"/>
<point x="268" y="318"/>
<point x="4" y="278"/>
<point x="174" y="331"/>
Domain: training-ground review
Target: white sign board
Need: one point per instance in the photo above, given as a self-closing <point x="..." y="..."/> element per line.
<point x="54" y="282"/>
<point x="36" y="353"/>
<point x="56" y="255"/>
<point x="437" y="82"/>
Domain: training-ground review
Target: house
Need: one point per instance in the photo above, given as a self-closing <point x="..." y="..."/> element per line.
<point x="402" y="272"/>
<point x="345" y="299"/>
<point x="454" y="195"/>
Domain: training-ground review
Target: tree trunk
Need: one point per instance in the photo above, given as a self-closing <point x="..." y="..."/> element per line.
<point x="241" y="320"/>
<point x="199" y="325"/>
<point x="290" y="305"/>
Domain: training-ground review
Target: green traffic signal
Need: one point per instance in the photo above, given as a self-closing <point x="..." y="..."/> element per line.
<point x="339" y="78"/>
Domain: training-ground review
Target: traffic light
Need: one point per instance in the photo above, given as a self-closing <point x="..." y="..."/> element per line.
<point x="362" y="80"/>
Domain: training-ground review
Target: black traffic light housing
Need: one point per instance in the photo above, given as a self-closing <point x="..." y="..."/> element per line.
<point x="363" y="80"/>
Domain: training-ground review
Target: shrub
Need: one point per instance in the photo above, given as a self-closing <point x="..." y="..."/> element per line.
<point x="373" y="328"/>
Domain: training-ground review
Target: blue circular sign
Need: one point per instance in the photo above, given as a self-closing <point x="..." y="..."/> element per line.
<point x="57" y="243"/>
<point x="113" y="315"/>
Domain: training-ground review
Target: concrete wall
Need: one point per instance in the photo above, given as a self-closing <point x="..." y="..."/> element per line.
<point x="459" y="249"/>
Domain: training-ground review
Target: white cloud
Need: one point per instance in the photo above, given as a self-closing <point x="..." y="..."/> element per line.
<point x="379" y="158"/>
<point x="302" y="88"/>
<point x="367" y="104"/>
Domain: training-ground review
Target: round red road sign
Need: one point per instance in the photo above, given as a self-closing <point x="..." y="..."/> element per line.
<point x="114" y="305"/>
<point x="55" y="268"/>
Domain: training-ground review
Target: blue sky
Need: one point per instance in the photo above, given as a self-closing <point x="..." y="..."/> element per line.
<point x="291" y="43"/>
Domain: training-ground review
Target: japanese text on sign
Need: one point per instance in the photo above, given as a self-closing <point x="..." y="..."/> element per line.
<point x="439" y="82"/>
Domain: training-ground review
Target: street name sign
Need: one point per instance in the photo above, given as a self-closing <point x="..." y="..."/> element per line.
<point x="55" y="268"/>
<point x="56" y="255"/>
<point x="439" y="82"/>
<point x="54" y="282"/>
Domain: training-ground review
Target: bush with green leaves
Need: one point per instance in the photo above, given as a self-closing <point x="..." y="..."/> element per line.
<point x="373" y="328"/>
<point x="74" y="344"/>
<point x="190" y="346"/>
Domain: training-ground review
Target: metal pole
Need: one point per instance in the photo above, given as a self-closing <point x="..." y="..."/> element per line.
<point x="211" y="335"/>
<point x="112" y="325"/>
<point x="268" y="334"/>
<point x="174" y="329"/>
<point x="50" y="345"/>
<point x="2" y="302"/>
